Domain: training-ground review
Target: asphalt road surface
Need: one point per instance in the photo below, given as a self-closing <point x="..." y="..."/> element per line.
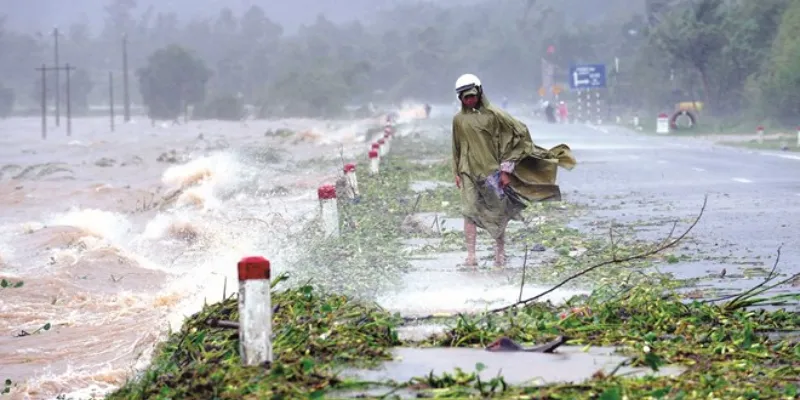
<point x="753" y="196"/>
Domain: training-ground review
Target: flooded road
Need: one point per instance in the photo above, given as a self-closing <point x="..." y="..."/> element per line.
<point x="648" y="181"/>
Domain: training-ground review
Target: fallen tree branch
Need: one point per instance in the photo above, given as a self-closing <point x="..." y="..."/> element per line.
<point x="524" y="268"/>
<point x="747" y="298"/>
<point x="769" y="277"/>
<point x="216" y="323"/>
<point x="614" y="260"/>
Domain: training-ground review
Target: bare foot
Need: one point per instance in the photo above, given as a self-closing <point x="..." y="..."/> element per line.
<point x="500" y="260"/>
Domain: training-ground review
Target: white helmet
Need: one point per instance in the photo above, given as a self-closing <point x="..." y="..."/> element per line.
<point x="466" y="82"/>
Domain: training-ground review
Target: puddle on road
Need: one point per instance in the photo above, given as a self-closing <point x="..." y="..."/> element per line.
<point x="437" y="285"/>
<point x="568" y="364"/>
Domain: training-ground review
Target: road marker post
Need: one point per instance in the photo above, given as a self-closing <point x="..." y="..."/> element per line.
<point x="662" y="124"/>
<point x="387" y="142"/>
<point x="352" y="180"/>
<point x="382" y="147"/>
<point x="255" y="311"/>
<point x="374" y="162"/>
<point x="328" y="210"/>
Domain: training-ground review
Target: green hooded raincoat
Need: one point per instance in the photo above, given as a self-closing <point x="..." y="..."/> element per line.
<point x="487" y="136"/>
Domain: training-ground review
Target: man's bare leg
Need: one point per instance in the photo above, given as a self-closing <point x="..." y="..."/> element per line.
<point x="471" y="234"/>
<point x="500" y="250"/>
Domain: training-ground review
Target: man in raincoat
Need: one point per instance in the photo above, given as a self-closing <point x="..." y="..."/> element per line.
<point x="497" y="167"/>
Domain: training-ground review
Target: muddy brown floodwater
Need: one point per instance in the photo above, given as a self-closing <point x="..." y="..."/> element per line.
<point x="110" y="273"/>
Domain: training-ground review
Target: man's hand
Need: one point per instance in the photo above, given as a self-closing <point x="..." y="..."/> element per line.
<point x="505" y="179"/>
<point x="458" y="181"/>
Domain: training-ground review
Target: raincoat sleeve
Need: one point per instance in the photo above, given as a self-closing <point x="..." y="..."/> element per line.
<point x="456" y="147"/>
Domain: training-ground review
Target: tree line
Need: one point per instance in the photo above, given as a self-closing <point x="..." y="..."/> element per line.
<point x="738" y="57"/>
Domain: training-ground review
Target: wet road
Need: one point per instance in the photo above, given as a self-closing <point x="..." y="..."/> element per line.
<point x="753" y="196"/>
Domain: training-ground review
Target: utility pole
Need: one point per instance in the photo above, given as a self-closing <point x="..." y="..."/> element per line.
<point x="111" y="98"/>
<point x="125" y="94"/>
<point x="58" y="79"/>
<point x="67" y="70"/>
<point x="44" y="69"/>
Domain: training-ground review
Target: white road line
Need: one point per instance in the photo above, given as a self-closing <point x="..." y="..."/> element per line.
<point x="698" y="169"/>
<point x="742" y="180"/>
<point x="787" y="156"/>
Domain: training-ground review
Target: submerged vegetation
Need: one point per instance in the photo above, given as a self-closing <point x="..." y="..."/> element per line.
<point x="714" y="349"/>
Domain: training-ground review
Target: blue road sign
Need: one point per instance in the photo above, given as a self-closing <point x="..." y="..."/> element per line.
<point x="587" y="76"/>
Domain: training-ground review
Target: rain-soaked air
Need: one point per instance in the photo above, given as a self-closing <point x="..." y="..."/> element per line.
<point x="453" y="199"/>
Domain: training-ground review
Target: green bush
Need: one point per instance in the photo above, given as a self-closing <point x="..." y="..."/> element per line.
<point x="224" y="107"/>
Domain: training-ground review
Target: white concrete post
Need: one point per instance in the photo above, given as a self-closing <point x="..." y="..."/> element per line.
<point x="374" y="162"/>
<point x="376" y="147"/>
<point x="760" y="134"/>
<point x="798" y="136"/>
<point x="387" y="142"/>
<point x="382" y="147"/>
<point x="329" y="210"/>
<point x="255" y="311"/>
<point x="662" y="124"/>
<point x="636" y="121"/>
<point x="352" y="179"/>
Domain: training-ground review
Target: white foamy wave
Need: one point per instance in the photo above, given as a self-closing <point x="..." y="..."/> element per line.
<point x="346" y="134"/>
<point x="210" y="279"/>
<point x="31" y="227"/>
<point x="220" y="169"/>
<point x="206" y="180"/>
<point x="111" y="226"/>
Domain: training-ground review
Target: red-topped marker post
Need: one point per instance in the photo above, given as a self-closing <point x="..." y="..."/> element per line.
<point x="352" y="180"/>
<point x="387" y="142"/>
<point x="760" y="134"/>
<point x="377" y="148"/>
<point x="382" y="147"/>
<point x="328" y="210"/>
<point x="374" y="162"/>
<point x="662" y="124"/>
<point x="255" y="311"/>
